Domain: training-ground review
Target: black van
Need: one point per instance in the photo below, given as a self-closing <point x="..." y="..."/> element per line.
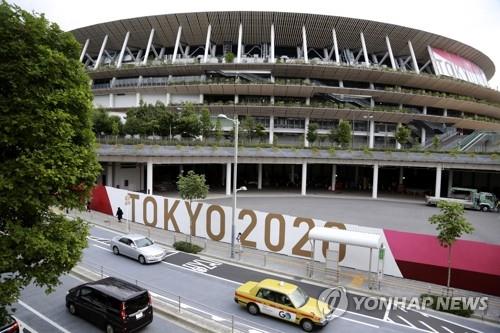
<point x="111" y="303"/>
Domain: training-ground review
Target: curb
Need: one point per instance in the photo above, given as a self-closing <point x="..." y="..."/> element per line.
<point x="185" y="319"/>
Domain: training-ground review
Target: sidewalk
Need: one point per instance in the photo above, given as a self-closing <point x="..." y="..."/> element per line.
<point x="301" y="269"/>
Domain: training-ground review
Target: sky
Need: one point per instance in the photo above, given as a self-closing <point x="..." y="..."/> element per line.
<point x="473" y="22"/>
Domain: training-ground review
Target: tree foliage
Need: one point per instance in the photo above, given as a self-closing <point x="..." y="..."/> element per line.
<point x="206" y="125"/>
<point x="344" y="133"/>
<point x="47" y="157"/>
<point x="218" y="133"/>
<point x="192" y="186"/>
<point x="451" y="225"/>
<point x="403" y="135"/>
<point x="248" y="126"/>
<point x="312" y="133"/>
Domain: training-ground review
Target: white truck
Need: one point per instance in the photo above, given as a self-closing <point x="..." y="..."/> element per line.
<point x="469" y="198"/>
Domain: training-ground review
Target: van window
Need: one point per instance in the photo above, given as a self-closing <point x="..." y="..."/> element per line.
<point x="138" y="303"/>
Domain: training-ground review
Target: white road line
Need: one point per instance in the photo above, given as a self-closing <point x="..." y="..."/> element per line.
<point x="190" y="270"/>
<point x="53" y="323"/>
<point x="388" y="308"/>
<point x="171" y="254"/>
<point x="23" y="326"/>
<point x="428" y="326"/>
<point x="406" y="321"/>
<point x="453" y="323"/>
<point x="447" y="329"/>
<point x="359" y="322"/>
<point x="402" y="309"/>
<point x="389" y="321"/>
<point x="101" y="247"/>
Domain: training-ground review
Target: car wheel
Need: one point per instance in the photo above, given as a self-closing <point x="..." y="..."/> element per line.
<point x="307" y="325"/>
<point x="115" y="250"/>
<point x="109" y="328"/>
<point x="485" y="208"/>
<point x="142" y="260"/>
<point x="253" y="309"/>
<point x="72" y="309"/>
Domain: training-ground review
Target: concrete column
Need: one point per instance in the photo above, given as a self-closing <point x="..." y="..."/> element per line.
<point x="391" y="55"/>
<point x="272" y="58"/>
<point x="177" y="42"/>
<point x="259" y="176"/>
<point x="228" y="178"/>
<point x="423" y="137"/>
<point x="308" y="100"/>
<point x="334" y="177"/>
<point x="445" y="113"/>
<point x="201" y="98"/>
<point x="99" y="57"/>
<point x="450" y="182"/>
<point x="240" y="37"/>
<point x="271" y="129"/>
<point x="207" y="43"/>
<point x="398" y="145"/>
<point x="304" y="44"/>
<point x="84" y="50"/>
<point x="148" y="47"/>
<point x="122" y="52"/>
<point x="181" y="169"/>
<point x="437" y="192"/>
<point x="109" y="174"/>
<point x="111" y="100"/>
<point x="236" y="99"/>
<point x="306" y="128"/>
<point x="137" y="98"/>
<point x="168" y="99"/>
<point x="365" y="52"/>
<point x="304" y="179"/>
<point x="371" y="138"/>
<point x="413" y="58"/>
<point x="375" y="181"/>
<point x="149" y="175"/>
<point x="401" y="175"/>
<point x="335" y="46"/>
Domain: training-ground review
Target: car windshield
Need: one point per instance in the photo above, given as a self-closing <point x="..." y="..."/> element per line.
<point x="143" y="242"/>
<point x="298" y="297"/>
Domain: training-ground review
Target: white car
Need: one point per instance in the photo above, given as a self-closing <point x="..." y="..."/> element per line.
<point x="138" y="247"/>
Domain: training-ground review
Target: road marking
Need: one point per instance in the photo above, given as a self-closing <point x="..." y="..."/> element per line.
<point x="428" y="326"/>
<point x="406" y="321"/>
<point x="190" y="270"/>
<point x="170" y="254"/>
<point x="454" y="323"/>
<point x="447" y="329"/>
<point x="101" y="247"/>
<point x="387" y="309"/>
<point x="24" y="326"/>
<point x="53" y="323"/>
<point x="359" y="322"/>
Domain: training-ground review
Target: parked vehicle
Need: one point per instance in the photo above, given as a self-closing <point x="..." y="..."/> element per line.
<point x="138" y="247"/>
<point x="112" y="304"/>
<point x="10" y="325"/>
<point x="469" y="198"/>
<point x="284" y="301"/>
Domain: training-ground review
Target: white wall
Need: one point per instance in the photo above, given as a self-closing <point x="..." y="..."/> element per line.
<point x="179" y="99"/>
<point x="127" y="100"/>
<point x="101" y="101"/>
<point x="133" y="175"/>
<point x="153" y="98"/>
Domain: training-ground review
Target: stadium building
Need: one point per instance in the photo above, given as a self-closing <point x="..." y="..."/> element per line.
<point x="291" y="70"/>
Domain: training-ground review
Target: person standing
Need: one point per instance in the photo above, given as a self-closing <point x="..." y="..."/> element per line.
<point x="119" y="214"/>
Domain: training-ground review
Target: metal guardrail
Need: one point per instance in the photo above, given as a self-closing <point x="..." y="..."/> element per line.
<point x="231" y="322"/>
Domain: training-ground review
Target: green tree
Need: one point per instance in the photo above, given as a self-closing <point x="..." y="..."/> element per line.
<point x="403" y="135"/>
<point x="192" y="187"/>
<point x="101" y="123"/>
<point x="312" y="133"/>
<point x="344" y="133"/>
<point x="260" y="132"/>
<point x="218" y="134"/>
<point x="451" y="225"/>
<point x="248" y="128"/>
<point x="47" y="152"/>
<point x="189" y="122"/>
<point x="229" y="57"/>
<point x="435" y="142"/>
<point x="205" y="123"/>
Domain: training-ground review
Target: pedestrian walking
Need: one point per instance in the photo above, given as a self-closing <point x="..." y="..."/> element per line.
<point x="88" y="207"/>
<point x="119" y="214"/>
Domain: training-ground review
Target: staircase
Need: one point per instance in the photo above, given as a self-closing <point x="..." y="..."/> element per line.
<point x="363" y="102"/>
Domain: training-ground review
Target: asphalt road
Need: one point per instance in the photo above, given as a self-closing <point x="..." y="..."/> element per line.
<point x="396" y="215"/>
<point x="207" y="286"/>
<point x="44" y="313"/>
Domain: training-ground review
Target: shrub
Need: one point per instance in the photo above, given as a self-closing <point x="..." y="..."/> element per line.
<point x="187" y="247"/>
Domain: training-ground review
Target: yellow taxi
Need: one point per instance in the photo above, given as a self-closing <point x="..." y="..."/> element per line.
<point x="285" y="301"/>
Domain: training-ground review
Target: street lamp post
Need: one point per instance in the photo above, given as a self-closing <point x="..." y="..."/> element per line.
<point x="235" y="177"/>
